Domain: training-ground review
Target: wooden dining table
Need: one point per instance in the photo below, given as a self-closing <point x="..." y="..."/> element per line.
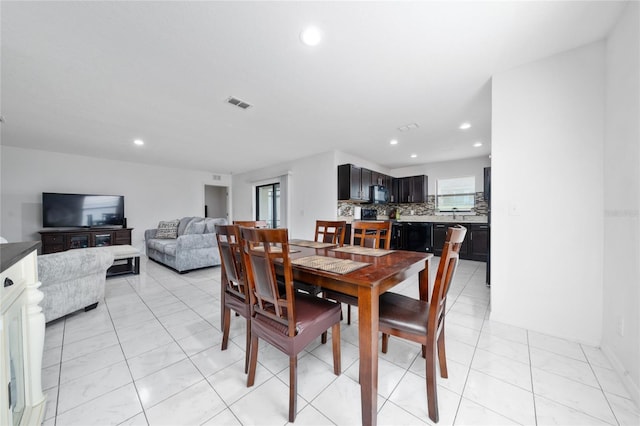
<point x="381" y="273"/>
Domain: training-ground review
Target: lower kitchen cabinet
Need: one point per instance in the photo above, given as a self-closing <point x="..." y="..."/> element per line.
<point x="476" y="243"/>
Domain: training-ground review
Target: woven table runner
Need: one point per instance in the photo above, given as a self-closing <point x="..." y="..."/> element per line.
<point x="329" y="264"/>
<point x="311" y="244"/>
<point x="367" y="251"/>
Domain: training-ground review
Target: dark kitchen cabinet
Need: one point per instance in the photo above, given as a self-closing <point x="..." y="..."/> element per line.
<point x="412" y="236"/>
<point x="382" y="180"/>
<point x="475" y="245"/>
<point x="412" y="189"/>
<point x="353" y="183"/>
<point x="478" y="246"/>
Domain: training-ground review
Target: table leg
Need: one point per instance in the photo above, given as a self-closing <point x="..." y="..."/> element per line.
<point x="424" y="281"/>
<point x="368" y="336"/>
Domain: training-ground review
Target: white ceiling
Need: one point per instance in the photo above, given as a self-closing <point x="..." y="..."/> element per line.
<point x="90" y="77"/>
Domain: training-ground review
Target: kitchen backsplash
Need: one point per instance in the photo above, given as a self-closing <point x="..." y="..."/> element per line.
<point x="345" y="208"/>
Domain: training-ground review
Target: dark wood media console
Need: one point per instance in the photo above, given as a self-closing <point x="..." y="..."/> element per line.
<point x="57" y="240"/>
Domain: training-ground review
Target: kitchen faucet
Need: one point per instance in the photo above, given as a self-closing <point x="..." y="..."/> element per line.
<point x="455" y="209"/>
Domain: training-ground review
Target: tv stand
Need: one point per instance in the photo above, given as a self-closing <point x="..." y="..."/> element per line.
<point x="56" y="240"/>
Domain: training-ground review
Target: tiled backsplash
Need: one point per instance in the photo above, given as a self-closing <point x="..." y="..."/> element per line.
<point x="345" y="208"/>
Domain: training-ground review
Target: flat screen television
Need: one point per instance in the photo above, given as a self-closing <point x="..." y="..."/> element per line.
<point x="81" y="210"/>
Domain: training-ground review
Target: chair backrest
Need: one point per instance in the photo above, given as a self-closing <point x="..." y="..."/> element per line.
<point x="228" y="237"/>
<point x="328" y="231"/>
<point x="251" y="223"/>
<point x="372" y="234"/>
<point x="261" y="248"/>
<point x="446" y="270"/>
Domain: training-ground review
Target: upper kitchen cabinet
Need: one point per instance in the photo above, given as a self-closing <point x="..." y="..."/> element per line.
<point x="353" y="183"/>
<point x="412" y="189"/>
<point x="381" y="179"/>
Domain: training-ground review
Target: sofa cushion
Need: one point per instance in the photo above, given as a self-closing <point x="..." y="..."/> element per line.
<point x="195" y="226"/>
<point x="183" y="224"/>
<point x="210" y="224"/>
<point x="167" y="229"/>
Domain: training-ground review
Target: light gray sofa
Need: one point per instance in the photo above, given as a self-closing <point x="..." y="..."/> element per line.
<point x="72" y="280"/>
<point x="195" y="246"/>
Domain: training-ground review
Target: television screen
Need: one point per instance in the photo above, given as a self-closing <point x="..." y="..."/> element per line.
<point x="81" y="210"/>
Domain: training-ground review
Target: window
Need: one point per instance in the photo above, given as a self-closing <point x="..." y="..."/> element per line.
<point x="268" y="204"/>
<point x="456" y="194"/>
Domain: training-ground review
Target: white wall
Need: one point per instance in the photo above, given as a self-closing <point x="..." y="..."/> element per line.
<point x="448" y="169"/>
<point x="313" y="191"/>
<point x="346" y="158"/>
<point x="547" y="195"/>
<point x="621" y="301"/>
<point x="151" y="193"/>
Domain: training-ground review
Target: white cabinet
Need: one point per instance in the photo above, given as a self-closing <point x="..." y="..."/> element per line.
<point x="21" y="336"/>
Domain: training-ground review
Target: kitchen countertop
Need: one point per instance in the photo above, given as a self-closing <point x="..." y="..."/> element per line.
<point x="435" y="219"/>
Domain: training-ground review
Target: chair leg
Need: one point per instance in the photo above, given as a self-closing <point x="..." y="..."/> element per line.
<point x="432" y="390"/>
<point x="348" y="314"/>
<point x="226" y="322"/>
<point x="293" y="387"/>
<point x="247" y="347"/>
<point x="385" y="342"/>
<point x="323" y="338"/>
<point x="335" y="336"/>
<point x="251" y="377"/>
<point x="442" y="356"/>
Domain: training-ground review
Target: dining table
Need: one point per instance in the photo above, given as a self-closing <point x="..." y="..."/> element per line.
<point x="364" y="273"/>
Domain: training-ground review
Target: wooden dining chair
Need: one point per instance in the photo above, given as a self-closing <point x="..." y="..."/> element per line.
<point x="287" y="320"/>
<point x="365" y="234"/>
<point x="234" y="283"/>
<point x="423" y="321"/>
<point x="251" y="223"/>
<point x="371" y="234"/>
<point x="330" y="231"/>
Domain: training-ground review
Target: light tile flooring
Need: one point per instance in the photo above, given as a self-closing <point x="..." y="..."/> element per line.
<point x="151" y="355"/>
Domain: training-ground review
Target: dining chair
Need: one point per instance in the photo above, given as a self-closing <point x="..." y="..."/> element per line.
<point x="330" y="231"/>
<point x="236" y="291"/>
<point x="288" y="320"/>
<point x="423" y="321"/>
<point x="251" y="223"/>
<point x="327" y="231"/>
<point x="366" y="234"/>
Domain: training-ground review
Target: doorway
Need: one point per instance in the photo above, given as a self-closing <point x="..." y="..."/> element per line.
<point x="268" y="204"/>
<point x="216" y="201"/>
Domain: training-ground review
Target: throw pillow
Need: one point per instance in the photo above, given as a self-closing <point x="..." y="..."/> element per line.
<point x="168" y="229"/>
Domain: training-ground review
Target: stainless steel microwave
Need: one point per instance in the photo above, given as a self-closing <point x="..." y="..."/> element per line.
<point x="378" y="194"/>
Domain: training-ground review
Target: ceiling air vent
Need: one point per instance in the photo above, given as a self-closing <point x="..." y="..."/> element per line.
<point x="238" y="102"/>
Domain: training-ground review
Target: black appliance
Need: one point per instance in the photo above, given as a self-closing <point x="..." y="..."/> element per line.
<point x="412" y="236"/>
<point x="369" y="214"/>
<point x="81" y="210"/>
<point x="378" y="194"/>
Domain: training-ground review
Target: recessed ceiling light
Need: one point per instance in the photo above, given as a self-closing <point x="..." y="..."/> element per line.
<point x="393" y="141"/>
<point x="311" y="36"/>
<point x="465" y="126"/>
<point x="414" y="155"/>
<point x="138" y="142"/>
<point x="477" y="144"/>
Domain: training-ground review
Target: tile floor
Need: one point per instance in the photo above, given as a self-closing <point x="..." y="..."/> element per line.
<point x="151" y="355"/>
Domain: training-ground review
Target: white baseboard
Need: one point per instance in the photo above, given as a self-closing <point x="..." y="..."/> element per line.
<point x="622" y="372"/>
